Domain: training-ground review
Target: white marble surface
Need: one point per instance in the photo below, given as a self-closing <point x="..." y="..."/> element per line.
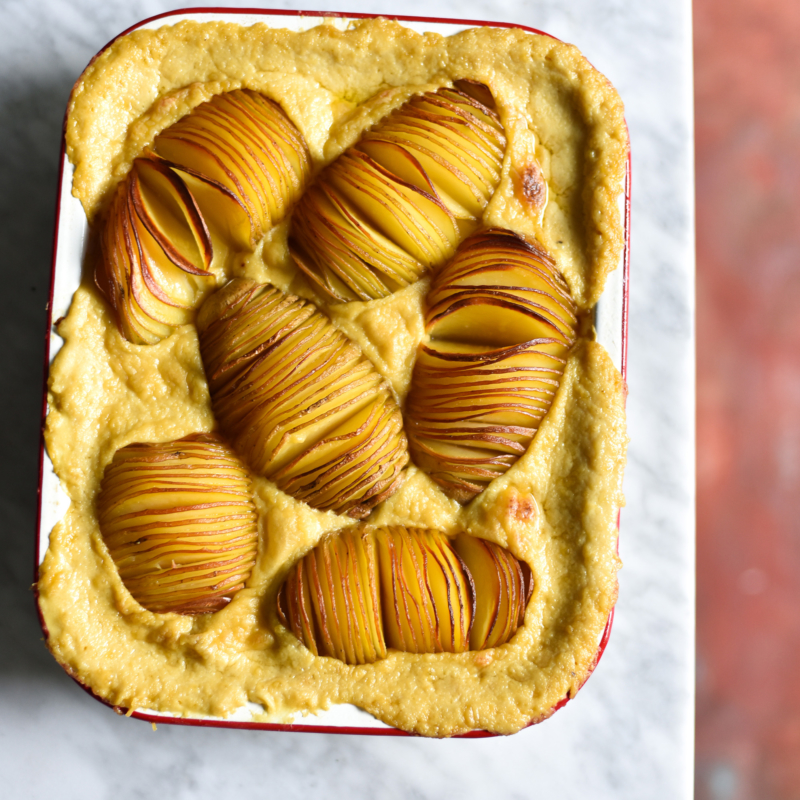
<point x="629" y="733"/>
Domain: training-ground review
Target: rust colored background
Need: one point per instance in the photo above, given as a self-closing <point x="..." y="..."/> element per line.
<point x="747" y="106"/>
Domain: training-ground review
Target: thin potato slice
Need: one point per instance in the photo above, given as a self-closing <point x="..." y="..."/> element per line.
<point x="299" y="401"/>
<point x="412" y="187"/>
<point x="502" y="323"/>
<point x="180" y="523"/>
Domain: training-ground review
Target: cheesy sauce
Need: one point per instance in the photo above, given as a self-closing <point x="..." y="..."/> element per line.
<point x="556" y="508"/>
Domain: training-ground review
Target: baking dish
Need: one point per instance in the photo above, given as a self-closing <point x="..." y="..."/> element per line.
<point x="68" y="256"/>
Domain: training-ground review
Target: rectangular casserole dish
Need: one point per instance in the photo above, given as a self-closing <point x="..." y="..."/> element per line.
<point x="70" y="238"/>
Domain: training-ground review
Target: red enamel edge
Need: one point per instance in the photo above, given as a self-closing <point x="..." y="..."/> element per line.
<point x="275" y="12"/>
<point x="268" y="726"/>
<point x="46" y="372"/>
<point x="626" y="264"/>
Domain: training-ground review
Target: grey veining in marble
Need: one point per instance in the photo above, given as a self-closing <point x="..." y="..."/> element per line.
<point x="629" y="732"/>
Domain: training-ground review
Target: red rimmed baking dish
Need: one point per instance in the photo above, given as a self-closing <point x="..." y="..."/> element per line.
<point x="71" y="228"/>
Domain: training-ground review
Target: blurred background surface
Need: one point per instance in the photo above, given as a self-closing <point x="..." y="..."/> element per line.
<point x="747" y="127"/>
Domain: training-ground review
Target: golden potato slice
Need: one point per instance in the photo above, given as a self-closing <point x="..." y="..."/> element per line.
<point x="180" y="523"/>
<point x="299" y="400"/>
<point x="399" y="201"/>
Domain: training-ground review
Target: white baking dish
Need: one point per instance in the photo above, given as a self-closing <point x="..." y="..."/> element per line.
<point x="71" y="234"/>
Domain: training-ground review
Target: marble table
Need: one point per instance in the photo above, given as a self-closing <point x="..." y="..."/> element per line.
<point x="629" y="734"/>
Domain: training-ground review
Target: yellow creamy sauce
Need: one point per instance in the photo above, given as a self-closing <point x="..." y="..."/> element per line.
<point x="556" y="508"/>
